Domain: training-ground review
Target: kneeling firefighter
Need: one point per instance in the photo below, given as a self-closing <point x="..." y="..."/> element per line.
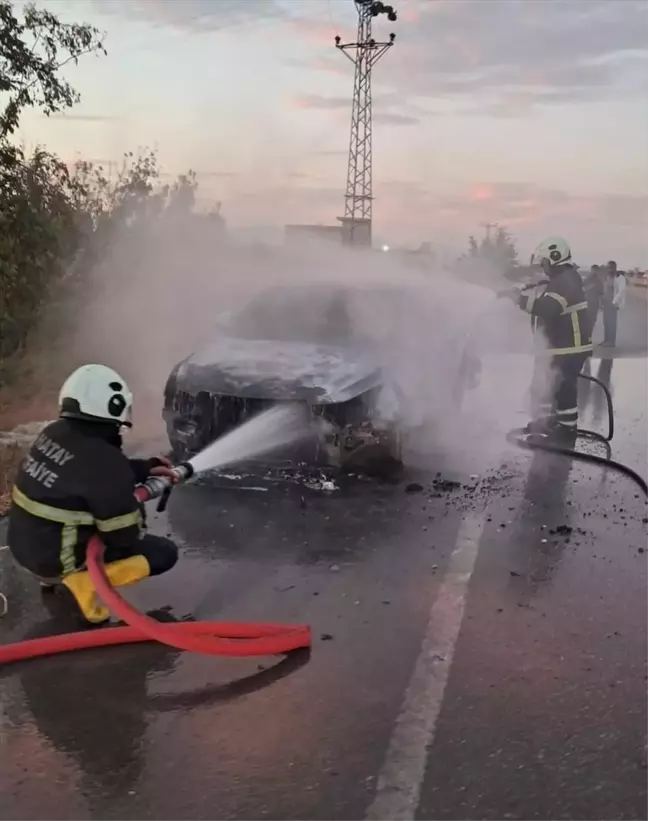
<point x="76" y="482"/>
<point x="559" y="311"/>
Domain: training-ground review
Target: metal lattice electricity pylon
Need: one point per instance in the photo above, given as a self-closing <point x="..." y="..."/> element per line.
<point x="358" y="197"/>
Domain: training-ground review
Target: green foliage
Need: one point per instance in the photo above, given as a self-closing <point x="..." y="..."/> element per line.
<point x="32" y="51"/>
<point x="56" y="223"/>
<point x="37" y="233"/>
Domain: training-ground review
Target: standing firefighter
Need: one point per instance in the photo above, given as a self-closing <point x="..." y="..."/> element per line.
<point x="76" y="482"/>
<point x="560" y="313"/>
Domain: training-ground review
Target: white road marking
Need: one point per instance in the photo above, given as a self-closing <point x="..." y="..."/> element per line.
<point x="4" y="547"/>
<point x="401" y="776"/>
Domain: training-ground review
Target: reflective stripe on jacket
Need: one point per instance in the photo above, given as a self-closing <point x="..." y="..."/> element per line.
<point x="71" y="521"/>
<point x="561" y="314"/>
<point x="74" y="482"/>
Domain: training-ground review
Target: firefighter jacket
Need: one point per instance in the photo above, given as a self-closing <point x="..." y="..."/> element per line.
<point x="560" y="312"/>
<point x="74" y="482"/>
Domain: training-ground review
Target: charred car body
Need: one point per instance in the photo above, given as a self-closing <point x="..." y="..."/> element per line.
<point x="322" y="345"/>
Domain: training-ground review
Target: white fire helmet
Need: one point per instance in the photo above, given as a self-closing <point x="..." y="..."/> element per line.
<point x="555" y="250"/>
<point x="96" y="393"/>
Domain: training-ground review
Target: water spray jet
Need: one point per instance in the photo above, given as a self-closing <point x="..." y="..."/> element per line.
<point x="260" y="434"/>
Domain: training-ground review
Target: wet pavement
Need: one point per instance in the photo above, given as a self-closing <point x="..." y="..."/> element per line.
<point x="479" y="652"/>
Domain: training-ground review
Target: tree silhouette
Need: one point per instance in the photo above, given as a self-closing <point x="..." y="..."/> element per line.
<point x="57" y="222"/>
<point x="32" y="52"/>
<point x="496" y="250"/>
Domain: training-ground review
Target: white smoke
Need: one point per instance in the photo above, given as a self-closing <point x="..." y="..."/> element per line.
<point x="158" y="297"/>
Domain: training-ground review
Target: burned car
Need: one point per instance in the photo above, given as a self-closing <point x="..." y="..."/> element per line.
<point x="324" y="345"/>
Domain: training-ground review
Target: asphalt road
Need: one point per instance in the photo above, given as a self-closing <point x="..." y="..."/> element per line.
<point x="479" y="652"/>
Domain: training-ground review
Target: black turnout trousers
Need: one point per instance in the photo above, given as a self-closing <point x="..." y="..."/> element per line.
<point x="554" y="389"/>
<point x="160" y="553"/>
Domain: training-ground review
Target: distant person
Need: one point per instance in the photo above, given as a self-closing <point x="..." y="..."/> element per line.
<point x="593" y="288"/>
<point x="613" y="301"/>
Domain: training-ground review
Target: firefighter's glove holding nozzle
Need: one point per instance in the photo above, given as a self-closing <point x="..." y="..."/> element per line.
<point x="164" y="468"/>
<point x="160" y="466"/>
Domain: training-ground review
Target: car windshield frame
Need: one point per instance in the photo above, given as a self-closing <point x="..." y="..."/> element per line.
<point x="303" y="314"/>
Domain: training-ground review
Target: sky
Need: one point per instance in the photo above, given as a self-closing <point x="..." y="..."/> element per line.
<point x="532" y="114"/>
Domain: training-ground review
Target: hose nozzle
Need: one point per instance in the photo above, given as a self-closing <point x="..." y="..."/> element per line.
<point x="156" y="486"/>
<point x="184" y="471"/>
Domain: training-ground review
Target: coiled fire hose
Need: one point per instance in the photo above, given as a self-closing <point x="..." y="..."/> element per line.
<point x="211" y="638"/>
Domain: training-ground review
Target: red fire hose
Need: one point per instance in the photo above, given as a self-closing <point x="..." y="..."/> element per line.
<point x="212" y="638"/>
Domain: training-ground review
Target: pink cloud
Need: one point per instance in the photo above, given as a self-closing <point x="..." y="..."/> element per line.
<point x="597" y="226"/>
<point x="530" y="212"/>
<point x="481" y="193"/>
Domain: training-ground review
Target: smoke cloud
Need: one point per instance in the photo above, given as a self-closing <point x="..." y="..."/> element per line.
<point x="159" y="293"/>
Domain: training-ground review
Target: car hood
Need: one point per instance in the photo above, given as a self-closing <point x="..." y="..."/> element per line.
<point x="263" y="369"/>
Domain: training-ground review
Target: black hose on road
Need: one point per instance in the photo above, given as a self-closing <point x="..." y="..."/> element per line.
<point x="522" y="438"/>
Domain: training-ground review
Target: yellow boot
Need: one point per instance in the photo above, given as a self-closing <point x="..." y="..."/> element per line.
<point x="122" y="572"/>
<point x="128" y="571"/>
<point x="82" y="588"/>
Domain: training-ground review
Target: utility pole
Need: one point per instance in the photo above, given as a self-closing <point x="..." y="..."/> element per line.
<point x="488" y="226"/>
<point x="356" y="222"/>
